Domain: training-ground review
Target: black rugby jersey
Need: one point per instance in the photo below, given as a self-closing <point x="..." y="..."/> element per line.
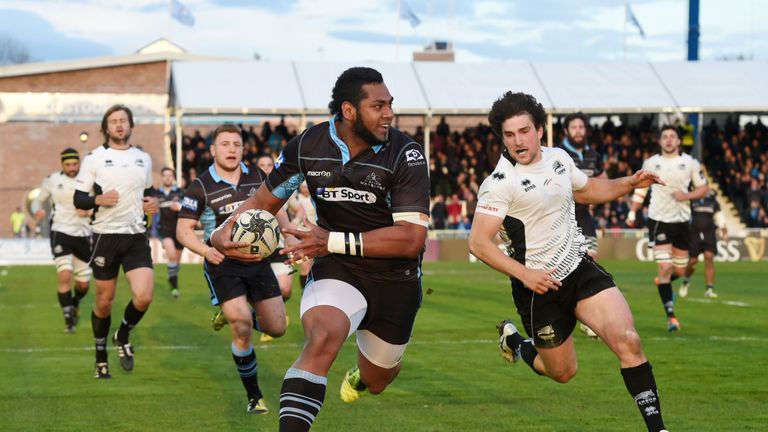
<point x="590" y="162"/>
<point x="358" y="194"/>
<point x="703" y="212"/>
<point x="211" y="199"/>
<point x="165" y="198"/>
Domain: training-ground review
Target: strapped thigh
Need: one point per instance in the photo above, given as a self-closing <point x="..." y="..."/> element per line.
<point x="377" y="351"/>
<point x="82" y="270"/>
<point x="63" y="263"/>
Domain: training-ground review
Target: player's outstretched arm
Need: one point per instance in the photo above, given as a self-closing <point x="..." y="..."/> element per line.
<point x="598" y="190"/>
<point x="483" y="246"/>
<point x="221" y="238"/>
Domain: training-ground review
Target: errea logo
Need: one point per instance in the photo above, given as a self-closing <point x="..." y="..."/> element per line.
<point x="345" y="194"/>
<point x="527" y="185"/>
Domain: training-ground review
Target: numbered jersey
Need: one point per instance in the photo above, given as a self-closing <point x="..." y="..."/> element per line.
<point x="536" y="204"/>
<point x="59" y="188"/>
<point x="129" y="172"/>
<point x="678" y="172"/>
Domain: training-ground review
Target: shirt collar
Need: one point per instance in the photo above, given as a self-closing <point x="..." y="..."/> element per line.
<point x="218" y="179"/>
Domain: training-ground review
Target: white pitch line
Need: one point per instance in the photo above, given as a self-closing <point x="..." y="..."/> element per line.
<point x="90" y="348"/>
<point x="725" y="302"/>
<point x="278" y="344"/>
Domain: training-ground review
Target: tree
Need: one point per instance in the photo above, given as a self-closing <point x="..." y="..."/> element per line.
<point x="12" y="51"/>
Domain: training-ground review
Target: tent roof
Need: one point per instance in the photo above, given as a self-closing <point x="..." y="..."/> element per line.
<point x="249" y="87"/>
<point x="717" y="86"/>
<point x="464" y="88"/>
<point x="234" y="87"/>
<point x="604" y="87"/>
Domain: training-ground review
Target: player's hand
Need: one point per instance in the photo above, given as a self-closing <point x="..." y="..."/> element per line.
<point x="643" y="179"/>
<point x="39" y="214"/>
<point x="213" y="256"/>
<point x="311" y="243"/>
<point x="540" y="281"/>
<point x="175" y="206"/>
<point x="680" y="196"/>
<point x="150" y="205"/>
<point x="108" y="198"/>
<point x="724" y="233"/>
<point x="221" y="239"/>
<point x="84" y="213"/>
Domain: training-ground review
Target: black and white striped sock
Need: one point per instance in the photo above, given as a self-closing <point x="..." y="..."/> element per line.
<point x="301" y="398"/>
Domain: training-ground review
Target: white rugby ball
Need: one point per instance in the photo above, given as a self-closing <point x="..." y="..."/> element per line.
<point x="260" y="229"/>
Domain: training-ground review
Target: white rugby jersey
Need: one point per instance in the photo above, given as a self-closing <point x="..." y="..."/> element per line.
<point x="59" y="188"/>
<point x="678" y="173"/>
<point x="128" y="172"/>
<point x="536" y="203"/>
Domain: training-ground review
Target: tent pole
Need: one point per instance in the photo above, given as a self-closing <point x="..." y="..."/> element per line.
<point x="427" y="122"/>
<point x="179" y="139"/>
<point x="550" y="137"/>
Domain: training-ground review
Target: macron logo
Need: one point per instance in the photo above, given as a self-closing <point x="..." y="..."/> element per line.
<point x="318" y="173"/>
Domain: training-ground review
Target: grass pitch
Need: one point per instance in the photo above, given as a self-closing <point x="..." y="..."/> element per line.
<point x="711" y="375"/>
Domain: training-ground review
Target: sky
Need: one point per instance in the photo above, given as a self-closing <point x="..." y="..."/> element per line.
<point x="353" y="30"/>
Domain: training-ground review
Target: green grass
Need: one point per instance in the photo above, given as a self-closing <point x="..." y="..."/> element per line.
<point x="711" y="375"/>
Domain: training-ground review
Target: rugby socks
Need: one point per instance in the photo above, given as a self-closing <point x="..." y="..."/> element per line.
<point x="301" y="398"/>
<point x="65" y="301"/>
<point x="79" y="296"/>
<point x="528" y="353"/>
<point x="525" y="349"/>
<point x="642" y="387"/>
<point x="665" y="292"/>
<point x="100" y="332"/>
<point x="131" y="317"/>
<point x="173" y="274"/>
<point x="245" y="360"/>
<point x="686" y="280"/>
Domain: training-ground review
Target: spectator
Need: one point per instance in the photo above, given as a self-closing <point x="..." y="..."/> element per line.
<point x="439" y="212"/>
<point x="18" y="225"/>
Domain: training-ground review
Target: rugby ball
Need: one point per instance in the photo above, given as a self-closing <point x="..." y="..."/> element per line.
<point x="260" y="229"/>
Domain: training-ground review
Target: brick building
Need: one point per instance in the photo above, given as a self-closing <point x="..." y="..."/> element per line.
<point x="45" y="107"/>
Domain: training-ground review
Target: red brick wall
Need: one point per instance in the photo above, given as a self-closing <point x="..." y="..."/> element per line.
<point x="136" y="78"/>
<point x="30" y="151"/>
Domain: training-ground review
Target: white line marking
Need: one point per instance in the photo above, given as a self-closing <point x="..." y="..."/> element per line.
<point x="725" y="302"/>
<point x="278" y="344"/>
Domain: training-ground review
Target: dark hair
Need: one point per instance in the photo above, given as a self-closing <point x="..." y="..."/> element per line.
<point x="514" y="104"/>
<point x="227" y="127"/>
<point x="349" y="87"/>
<point x="113" y="109"/>
<point x="573" y="116"/>
<point x="168" y="169"/>
<point x="670" y="127"/>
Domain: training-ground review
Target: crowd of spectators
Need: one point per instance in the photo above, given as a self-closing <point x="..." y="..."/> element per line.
<point x="268" y="140"/>
<point x="736" y="158"/>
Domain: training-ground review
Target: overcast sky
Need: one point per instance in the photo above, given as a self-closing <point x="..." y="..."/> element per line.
<point x="349" y="30"/>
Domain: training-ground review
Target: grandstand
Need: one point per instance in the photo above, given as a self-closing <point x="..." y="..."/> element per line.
<point x="441" y="104"/>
